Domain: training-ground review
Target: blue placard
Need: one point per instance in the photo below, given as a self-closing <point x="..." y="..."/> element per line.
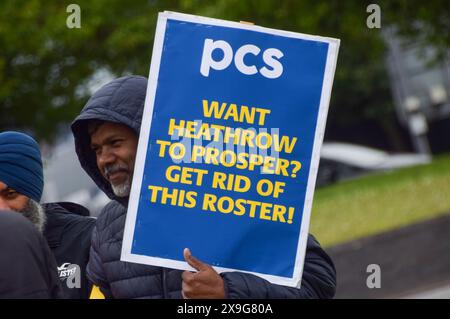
<point x="228" y="151"/>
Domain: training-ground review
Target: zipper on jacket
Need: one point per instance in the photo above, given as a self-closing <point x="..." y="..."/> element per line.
<point x="164" y="285"/>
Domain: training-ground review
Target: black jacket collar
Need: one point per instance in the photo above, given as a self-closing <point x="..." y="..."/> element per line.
<point x="58" y="215"/>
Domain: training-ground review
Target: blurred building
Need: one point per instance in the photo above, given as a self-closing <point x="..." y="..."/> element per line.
<point x="420" y="82"/>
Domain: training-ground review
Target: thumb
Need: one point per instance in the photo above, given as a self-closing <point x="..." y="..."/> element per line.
<point x="192" y="261"/>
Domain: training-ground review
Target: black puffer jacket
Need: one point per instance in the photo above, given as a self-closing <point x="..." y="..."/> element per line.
<point x="27" y="266"/>
<point x="122" y="101"/>
<point x="68" y="231"/>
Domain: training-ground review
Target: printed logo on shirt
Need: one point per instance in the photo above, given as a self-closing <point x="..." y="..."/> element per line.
<point x="71" y="274"/>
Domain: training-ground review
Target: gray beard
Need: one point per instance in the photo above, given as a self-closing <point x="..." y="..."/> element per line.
<point x="122" y="190"/>
<point x="35" y="213"/>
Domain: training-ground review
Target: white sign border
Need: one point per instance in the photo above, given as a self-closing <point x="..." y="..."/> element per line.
<point x="144" y="136"/>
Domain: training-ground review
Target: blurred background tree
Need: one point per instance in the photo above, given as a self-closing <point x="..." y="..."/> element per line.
<point x="47" y="70"/>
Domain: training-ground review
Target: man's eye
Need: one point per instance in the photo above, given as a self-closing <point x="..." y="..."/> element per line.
<point x="11" y="194"/>
<point x="116" y="142"/>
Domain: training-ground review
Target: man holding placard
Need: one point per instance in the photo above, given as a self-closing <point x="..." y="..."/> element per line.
<point x="242" y="210"/>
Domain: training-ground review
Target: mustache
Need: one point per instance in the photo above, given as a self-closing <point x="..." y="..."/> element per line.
<point x="114" y="168"/>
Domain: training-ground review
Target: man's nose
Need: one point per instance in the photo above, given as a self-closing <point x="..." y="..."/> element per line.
<point x="106" y="157"/>
<point x="4" y="205"/>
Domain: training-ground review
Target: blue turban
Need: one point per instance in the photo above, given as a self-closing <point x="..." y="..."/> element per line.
<point x="21" y="164"/>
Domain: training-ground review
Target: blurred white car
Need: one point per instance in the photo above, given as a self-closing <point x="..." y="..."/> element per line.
<point x="340" y="161"/>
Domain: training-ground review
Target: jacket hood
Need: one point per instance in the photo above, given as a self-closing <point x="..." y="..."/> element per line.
<point x="119" y="101"/>
<point x="66" y="208"/>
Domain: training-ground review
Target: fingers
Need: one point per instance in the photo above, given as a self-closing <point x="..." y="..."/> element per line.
<point x="188" y="277"/>
<point x="188" y="285"/>
<point x="202" y="284"/>
<point x="194" y="262"/>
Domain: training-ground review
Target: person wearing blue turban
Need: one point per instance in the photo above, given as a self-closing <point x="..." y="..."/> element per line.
<point x="21" y="176"/>
<point x="66" y="227"/>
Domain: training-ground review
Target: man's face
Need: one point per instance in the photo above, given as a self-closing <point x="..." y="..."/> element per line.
<point x="115" y="148"/>
<point x="11" y="200"/>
